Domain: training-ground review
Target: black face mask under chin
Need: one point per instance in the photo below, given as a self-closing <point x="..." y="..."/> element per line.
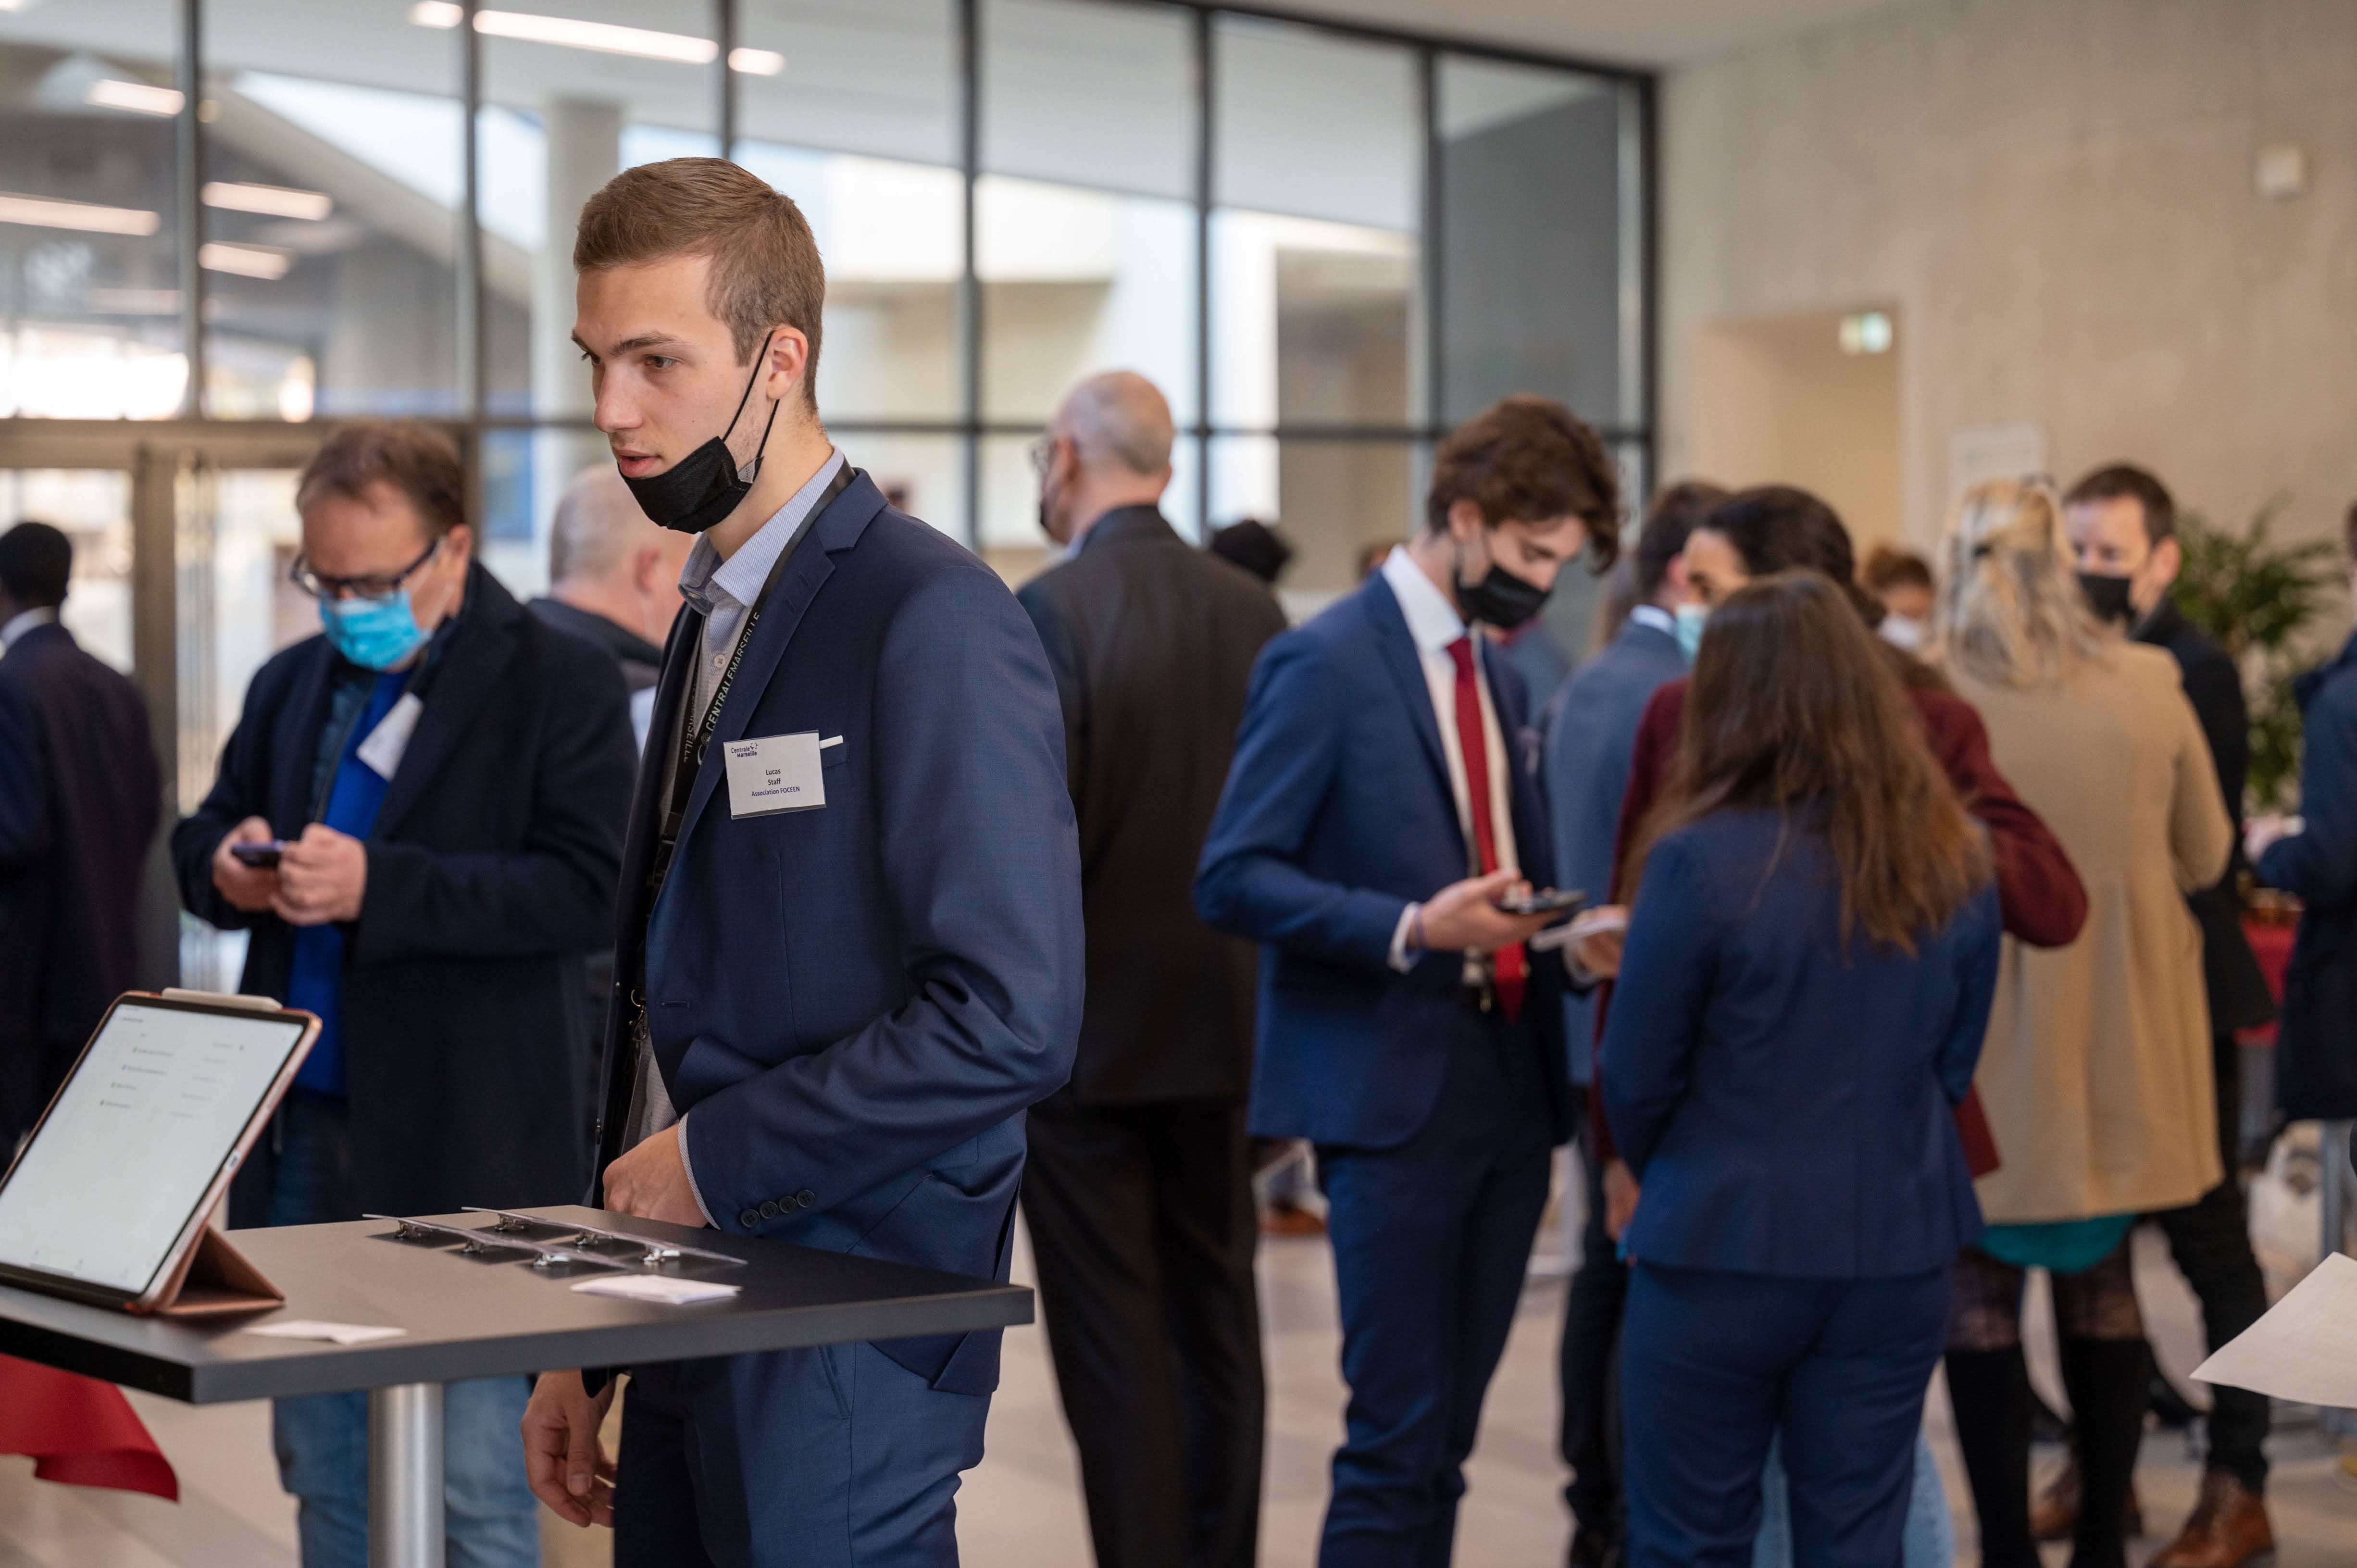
<point x="702" y="489"/>
<point x="1501" y="598"/>
<point x="2107" y="596"/>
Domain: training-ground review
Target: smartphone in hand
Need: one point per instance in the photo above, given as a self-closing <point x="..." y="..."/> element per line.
<point x="1548" y="902"/>
<point x="263" y="856"/>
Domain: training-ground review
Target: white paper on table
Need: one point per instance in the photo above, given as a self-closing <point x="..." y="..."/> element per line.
<point x="660" y="1288"/>
<point x="2305" y="1349"/>
<point x="340" y="1333"/>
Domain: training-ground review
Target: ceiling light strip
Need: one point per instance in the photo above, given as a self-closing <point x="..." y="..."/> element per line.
<point x="48" y="213"/>
<point x="605" y="38"/>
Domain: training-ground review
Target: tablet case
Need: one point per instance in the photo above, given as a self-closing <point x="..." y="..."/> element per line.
<point x="213" y="1281"/>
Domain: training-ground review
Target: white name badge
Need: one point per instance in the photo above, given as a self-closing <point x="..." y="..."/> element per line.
<point x="382" y="748"/>
<point x="775" y="773"/>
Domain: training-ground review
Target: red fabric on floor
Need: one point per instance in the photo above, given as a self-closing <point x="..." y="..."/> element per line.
<point x="79" y="1431"/>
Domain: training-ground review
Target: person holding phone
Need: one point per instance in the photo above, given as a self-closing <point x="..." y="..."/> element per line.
<point x="1373" y="819"/>
<point x="1804" y="990"/>
<point x="418" y="819"/>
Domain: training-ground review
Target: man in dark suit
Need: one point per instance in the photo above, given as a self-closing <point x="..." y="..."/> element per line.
<point x="79" y="797"/>
<point x="1139" y="1191"/>
<point x="1373" y="817"/>
<point x="850" y="945"/>
<point x="2123" y="526"/>
<point x="447" y="775"/>
<point x="1591" y="727"/>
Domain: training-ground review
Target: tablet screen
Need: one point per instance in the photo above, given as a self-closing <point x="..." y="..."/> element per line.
<point x="136" y="1139"/>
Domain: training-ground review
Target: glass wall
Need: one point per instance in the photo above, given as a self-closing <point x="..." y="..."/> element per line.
<point x="1324" y="244"/>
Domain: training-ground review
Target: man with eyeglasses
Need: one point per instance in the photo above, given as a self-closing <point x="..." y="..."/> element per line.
<point x="418" y="820"/>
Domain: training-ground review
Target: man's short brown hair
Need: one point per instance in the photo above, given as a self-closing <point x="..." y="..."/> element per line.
<point x="2125" y="481"/>
<point x="417" y="460"/>
<point x="1527" y="459"/>
<point x="765" y="271"/>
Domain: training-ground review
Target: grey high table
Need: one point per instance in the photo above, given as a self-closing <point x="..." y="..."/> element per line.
<point x="481" y="1316"/>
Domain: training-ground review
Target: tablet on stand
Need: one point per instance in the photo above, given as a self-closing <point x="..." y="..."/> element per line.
<point x="111" y="1200"/>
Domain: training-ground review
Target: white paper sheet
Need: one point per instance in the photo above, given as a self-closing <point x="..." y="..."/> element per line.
<point x="660" y="1288"/>
<point x="2305" y="1349"/>
<point x="337" y="1333"/>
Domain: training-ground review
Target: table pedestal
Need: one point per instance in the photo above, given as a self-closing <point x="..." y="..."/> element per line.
<point x="405" y="1475"/>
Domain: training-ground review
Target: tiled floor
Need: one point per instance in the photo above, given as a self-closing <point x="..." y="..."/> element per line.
<point x="1021" y="1509"/>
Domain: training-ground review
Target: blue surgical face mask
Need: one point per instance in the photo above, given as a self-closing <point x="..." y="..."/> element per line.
<point x="375" y="634"/>
<point x="1690" y="619"/>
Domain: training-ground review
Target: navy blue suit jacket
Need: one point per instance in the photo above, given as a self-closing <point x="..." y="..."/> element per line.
<point x="1591" y="732"/>
<point x="854" y="1004"/>
<point x="1790" y="1110"/>
<point x="1337" y="815"/>
<point x="2316" y="1046"/>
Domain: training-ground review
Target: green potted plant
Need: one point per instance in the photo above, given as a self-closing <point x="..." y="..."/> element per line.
<point x="2257" y="598"/>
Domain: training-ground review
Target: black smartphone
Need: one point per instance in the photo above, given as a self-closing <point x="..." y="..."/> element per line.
<point x="1549" y="902"/>
<point x="263" y="856"/>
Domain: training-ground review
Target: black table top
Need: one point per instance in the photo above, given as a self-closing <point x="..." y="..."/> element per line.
<point x="492" y="1315"/>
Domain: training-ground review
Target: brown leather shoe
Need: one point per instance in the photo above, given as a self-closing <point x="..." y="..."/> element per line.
<point x="2054" y="1512"/>
<point x="2229" y="1528"/>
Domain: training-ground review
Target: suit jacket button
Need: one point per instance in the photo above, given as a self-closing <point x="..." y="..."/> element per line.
<point x="749" y="1218"/>
<point x="805" y="1197"/>
<point x="770" y="1210"/>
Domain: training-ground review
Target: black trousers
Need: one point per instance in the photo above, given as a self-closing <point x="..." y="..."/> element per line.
<point x="2211" y="1239"/>
<point x="1590" y="1438"/>
<point x="1143" y="1229"/>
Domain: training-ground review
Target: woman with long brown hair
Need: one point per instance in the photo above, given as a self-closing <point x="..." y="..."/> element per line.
<point x="1802" y="995"/>
<point x="2096" y="1074"/>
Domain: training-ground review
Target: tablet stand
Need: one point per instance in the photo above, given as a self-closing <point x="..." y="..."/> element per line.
<point x="215" y="1279"/>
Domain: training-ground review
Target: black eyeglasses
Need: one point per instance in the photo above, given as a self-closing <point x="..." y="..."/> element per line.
<point x="321" y="586"/>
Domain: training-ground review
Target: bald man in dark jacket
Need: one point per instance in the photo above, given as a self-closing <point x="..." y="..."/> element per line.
<point x="1139" y="1192"/>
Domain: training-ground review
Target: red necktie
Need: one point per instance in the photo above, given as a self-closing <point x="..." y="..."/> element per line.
<point x="1507" y="965"/>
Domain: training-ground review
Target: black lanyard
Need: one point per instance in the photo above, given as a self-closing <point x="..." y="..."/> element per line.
<point x="693" y="739"/>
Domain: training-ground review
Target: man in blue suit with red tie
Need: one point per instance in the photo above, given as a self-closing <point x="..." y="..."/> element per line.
<point x="850" y="950"/>
<point x="1380" y="804"/>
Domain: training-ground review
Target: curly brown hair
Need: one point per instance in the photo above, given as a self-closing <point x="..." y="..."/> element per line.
<point x="1530" y="459"/>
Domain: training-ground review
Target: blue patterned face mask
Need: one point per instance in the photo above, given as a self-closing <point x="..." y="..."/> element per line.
<point x="375" y="634"/>
<point x="1690" y="619"/>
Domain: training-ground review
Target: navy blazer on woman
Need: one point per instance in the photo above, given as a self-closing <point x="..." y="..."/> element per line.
<point x="1338" y="814"/>
<point x="1789" y="1108"/>
<point x="854" y="1004"/>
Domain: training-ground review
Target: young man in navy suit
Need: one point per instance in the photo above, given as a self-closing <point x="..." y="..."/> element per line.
<point x="850" y="949"/>
<point x="1378" y="808"/>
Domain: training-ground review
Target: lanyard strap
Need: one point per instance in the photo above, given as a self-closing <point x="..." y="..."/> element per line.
<point x="693" y="739"/>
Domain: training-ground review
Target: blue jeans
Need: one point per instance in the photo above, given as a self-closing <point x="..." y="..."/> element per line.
<point x="490" y="1517"/>
<point x="1931" y="1537"/>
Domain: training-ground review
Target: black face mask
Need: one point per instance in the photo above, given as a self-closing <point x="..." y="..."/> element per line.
<point x="703" y="488"/>
<point x="2107" y="596"/>
<point x="1500" y="599"/>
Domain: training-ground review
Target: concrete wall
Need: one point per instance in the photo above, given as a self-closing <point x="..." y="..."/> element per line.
<point x="2059" y="197"/>
<point x="1778" y="401"/>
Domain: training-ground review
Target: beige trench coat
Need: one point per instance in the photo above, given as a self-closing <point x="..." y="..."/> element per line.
<point x="2097" y="1075"/>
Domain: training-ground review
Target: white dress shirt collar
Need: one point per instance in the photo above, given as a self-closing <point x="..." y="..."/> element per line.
<point x="24" y="621"/>
<point x="1432" y="621"/>
<point x="1655" y="617"/>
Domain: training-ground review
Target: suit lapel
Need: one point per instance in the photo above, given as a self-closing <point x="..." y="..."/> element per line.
<point x="296" y="744"/>
<point x="654" y="765"/>
<point x="472" y="669"/>
<point x="837" y="527"/>
<point x="1405" y="666"/>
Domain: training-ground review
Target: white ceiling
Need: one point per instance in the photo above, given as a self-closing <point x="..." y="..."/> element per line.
<point x="1637" y="32"/>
